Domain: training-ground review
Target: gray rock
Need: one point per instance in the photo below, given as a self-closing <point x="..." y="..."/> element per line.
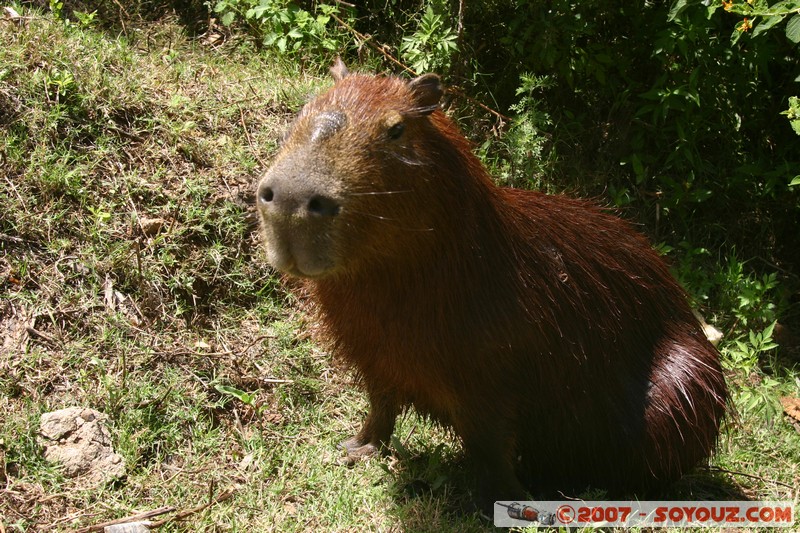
<point x="78" y="439"/>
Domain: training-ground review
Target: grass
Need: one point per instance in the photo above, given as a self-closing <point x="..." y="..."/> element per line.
<point x="131" y="282"/>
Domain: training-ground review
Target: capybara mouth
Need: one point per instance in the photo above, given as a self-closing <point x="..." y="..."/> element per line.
<point x="299" y="253"/>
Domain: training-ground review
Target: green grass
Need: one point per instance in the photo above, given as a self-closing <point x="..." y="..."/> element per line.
<point x="128" y="250"/>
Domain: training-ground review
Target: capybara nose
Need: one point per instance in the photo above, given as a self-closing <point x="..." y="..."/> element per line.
<point x="322" y="206"/>
<point x="296" y="201"/>
<point x="265" y="194"/>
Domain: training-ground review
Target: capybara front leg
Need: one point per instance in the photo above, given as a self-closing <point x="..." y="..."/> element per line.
<point x="376" y="431"/>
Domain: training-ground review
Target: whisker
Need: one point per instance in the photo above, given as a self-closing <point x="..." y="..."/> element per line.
<point x="376" y="193"/>
<point x="388" y="221"/>
<point x="402" y="158"/>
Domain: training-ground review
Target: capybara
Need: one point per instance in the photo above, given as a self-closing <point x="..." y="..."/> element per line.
<point x="543" y="330"/>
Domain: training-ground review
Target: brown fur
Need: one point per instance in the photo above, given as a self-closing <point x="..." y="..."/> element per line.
<point x="546" y="332"/>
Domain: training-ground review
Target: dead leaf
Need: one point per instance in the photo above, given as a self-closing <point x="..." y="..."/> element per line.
<point x="108" y="294"/>
<point x="247" y="462"/>
<point x="791" y="406"/>
<point x="273" y="418"/>
<point x="202" y="345"/>
<point x="12" y="15"/>
<point x="151" y="226"/>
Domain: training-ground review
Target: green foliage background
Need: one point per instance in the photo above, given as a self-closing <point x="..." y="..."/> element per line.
<point x="673" y="110"/>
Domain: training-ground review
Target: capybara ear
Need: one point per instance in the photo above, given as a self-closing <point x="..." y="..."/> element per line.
<point x="339" y="70"/>
<point x="427" y="90"/>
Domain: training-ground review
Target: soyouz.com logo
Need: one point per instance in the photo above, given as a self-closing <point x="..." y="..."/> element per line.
<point x="644" y="514"/>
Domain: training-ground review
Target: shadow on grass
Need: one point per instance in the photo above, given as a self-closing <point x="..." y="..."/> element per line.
<point x="433" y="491"/>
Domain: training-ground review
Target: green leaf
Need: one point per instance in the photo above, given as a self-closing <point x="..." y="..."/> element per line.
<point x="638" y="168"/>
<point x="767" y="333"/>
<point x="742" y="346"/>
<point x="793" y="29"/>
<point x="767" y="23"/>
<point x="735" y="36"/>
<point x="438" y="482"/>
<point x="401" y="450"/>
<point x="786" y="7"/>
<point x="227" y="18"/>
<point x="260" y="12"/>
<point x="677" y="8"/>
<point x="240" y="395"/>
<point x="270" y="38"/>
<point x="759" y="5"/>
<point x="795" y="181"/>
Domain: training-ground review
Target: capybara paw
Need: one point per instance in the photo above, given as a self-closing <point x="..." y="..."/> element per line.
<point x="357" y="450"/>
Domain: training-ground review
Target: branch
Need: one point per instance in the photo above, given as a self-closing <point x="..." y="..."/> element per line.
<point x="458" y="91"/>
<point x="138" y="517"/>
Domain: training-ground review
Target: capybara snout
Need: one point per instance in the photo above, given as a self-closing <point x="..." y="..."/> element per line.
<point x="281" y="200"/>
<point x="297" y="215"/>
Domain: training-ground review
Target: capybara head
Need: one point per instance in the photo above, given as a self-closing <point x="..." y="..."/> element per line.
<point x="342" y="188"/>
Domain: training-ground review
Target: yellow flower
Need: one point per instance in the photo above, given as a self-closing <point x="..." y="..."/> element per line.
<point x="727" y="5"/>
<point x="745" y="25"/>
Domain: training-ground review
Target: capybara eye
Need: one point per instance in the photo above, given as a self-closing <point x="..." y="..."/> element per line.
<point x="396" y="130"/>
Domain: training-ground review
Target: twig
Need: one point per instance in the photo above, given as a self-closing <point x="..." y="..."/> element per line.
<point x="183" y="514"/>
<point x="44" y="336"/>
<point x="249" y="140"/>
<point x="19" y="196"/>
<point x="12" y="16"/>
<point x="776" y="267"/>
<point x="458" y="91"/>
<point x="130" y="135"/>
<point x="175" y="215"/>
<point x="751" y="476"/>
<point x="72" y="517"/>
<point x="123" y="18"/>
<point x="379" y="49"/>
<point x="221" y="354"/>
<point x="154" y="401"/>
<point x="11" y="238"/>
<point x="460" y="24"/>
<point x="138" y="517"/>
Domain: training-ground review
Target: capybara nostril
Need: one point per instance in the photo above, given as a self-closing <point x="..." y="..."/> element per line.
<point x="323" y="206"/>
<point x="265" y="193"/>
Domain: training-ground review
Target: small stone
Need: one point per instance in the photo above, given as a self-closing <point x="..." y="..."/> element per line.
<point x="77" y="439"/>
<point x="130" y="527"/>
